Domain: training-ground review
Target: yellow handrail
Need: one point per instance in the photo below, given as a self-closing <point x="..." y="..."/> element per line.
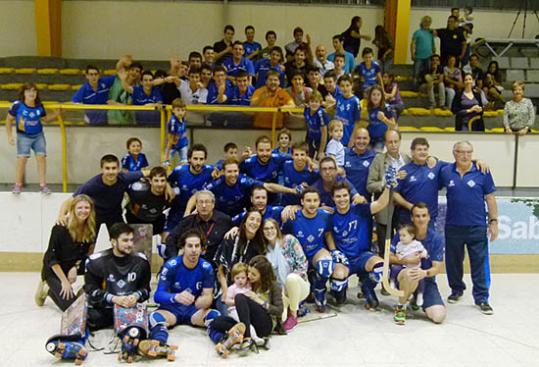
<point x="64" y="152"/>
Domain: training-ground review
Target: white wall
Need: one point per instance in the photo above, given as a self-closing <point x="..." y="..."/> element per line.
<point x="17" y="28"/>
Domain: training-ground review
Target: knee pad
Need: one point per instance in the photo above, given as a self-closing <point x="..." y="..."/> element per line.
<point x="210" y="316"/>
<point x="339" y="257"/>
<point x="157" y="319"/>
<point x="339" y="285"/>
<point x="324" y="268"/>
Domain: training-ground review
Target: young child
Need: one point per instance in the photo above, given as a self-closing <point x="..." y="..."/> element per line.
<point x="284" y="142"/>
<point x="381" y="117"/>
<point x="335" y="148"/>
<point x="392" y="94"/>
<point x="134" y="160"/>
<point x="408" y="246"/>
<point x="28" y="113"/>
<point x="369" y="70"/>
<point x="316" y="119"/>
<point x="230" y="151"/>
<point x="347" y="108"/>
<point x="339" y="63"/>
<point x="177" y="141"/>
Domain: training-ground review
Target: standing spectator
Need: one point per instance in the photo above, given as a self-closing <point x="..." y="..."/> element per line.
<point x="452" y="41"/>
<point x="468" y="108"/>
<point x="177" y="140"/>
<point x="334" y="147"/>
<point x="69" y="246"/>
<point x="435" y="81"/>
<point x="28" y="113"/>
<point x="223" y="48"/>
<point x="452" y="79"/>
<point x="134" y="160"/>
<point x="334" y="92"/>
<point x="251" y="47"/>
<point x="271" y="39"/>
<point x="358" y="160"/>
<point x="94" y="91"/>
<point x="168" y="82"/>
<point x="209" y="55"/>
<point x="492" y="83"/>
<point x="339" y="65"/>
<point x="193" y="90"/>
<point x="519" y="113"/>
<point x="348" y="108"/>
<point x="194" y="60"/>
<point x="316" y="120"/>
<point x="314" y="80"/>
<point x="128" y="74"/>
<point x="271" y="95"/>
<point x="466" y="224"/>
<point x="369" y="71"/>
<point x="352" y="36"/>
<point x="290" y="48"/>
<point x="381" y="117"/>
<point x="392" y="94"/>
<point x="321" y="61"/>
<point x="298" y="64"/>
<point x="264" y="65"/>
<point x="146" y="95"/>
<point x="385" y="47"/>
<point x="237" y="62"/>
<point x="339" y="49"/>
<point x="422" y="48"/>
<point x="206" y="75"/>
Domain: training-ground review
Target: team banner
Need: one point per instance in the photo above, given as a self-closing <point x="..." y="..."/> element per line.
<point x="518" y="223"/>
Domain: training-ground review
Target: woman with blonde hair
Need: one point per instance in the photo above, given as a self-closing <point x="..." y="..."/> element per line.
<point x="519" y="113"/>
<point x="69" y="246"/>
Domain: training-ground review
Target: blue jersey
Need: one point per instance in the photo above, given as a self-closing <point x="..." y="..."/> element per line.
<point x="261" y="69"/>
<point x="271" y="211"/>
<point x="352" y="231"/>
<point x="357" y="169"/>
<point x="27" y="119"/>
<point x="232" y="200"/>
<point x="177" y="127"/>
<point x="315" y="122"/>
<point x="133" y="165"/>
<point x="213" y="93"/>
<point x="293" y="178"/>
<point x="420" y="185"/>
<point x="219" y="164"/>
<point x="140" y="98"/>
<point x="268" y="172"/>
<point x="348" y="110"/>
<point x="466" y="195"/>
<point x="377" y="128"/>
<point x="87" y="95"/>
<point x="188" y="183"/>
<point x="244" y="65"/>
<point x="287" y="154"/>
<point x="241" y="99"/>
<point x="337" y="93"/>
<point x="175" y="278"/>
<point x="251" y="47"/>
<point x="309" y="231"/>
<point x="326" y="197"/>
<point x="369" y="74"/>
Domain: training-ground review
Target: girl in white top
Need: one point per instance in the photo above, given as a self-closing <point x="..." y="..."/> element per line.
<point x="335" y="148"/>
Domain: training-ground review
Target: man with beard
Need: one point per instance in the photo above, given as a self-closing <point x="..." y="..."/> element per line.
<point x="271" y="95"/>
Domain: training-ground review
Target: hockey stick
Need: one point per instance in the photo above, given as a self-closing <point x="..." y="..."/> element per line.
<point x="385" y="269"/>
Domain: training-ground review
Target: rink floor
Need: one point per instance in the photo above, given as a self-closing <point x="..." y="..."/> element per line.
<point x="355" y="337"/>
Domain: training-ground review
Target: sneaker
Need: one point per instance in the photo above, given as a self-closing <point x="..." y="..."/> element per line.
<point x="45" y="190"/>
<point x="485" y="308"/>
<point x="454" y="297"/>
<point x="290" y="323"/>
<point x="41" y="293"/>
<point x="17" y="189"/>
<point x="400" y="315"/>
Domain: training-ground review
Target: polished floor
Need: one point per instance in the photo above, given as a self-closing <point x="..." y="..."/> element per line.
<point x="355" y="337"/>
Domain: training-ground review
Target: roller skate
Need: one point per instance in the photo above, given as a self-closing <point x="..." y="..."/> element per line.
<point x="235" y="336"/>
<point x="68" y="348"/>
<point x="320" y="300"/>
<point x="155" y="349"/>
<point x="130" y="341"/>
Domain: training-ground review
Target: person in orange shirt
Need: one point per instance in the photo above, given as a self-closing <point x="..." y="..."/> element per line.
<point x="271" y="95"/>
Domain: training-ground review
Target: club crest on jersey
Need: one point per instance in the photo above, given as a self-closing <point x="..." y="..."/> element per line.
<point x="451" y="183"/>
<point x="121" y="283"/>
<point x="431" y="175"/>
<point x="366" y="163"/>
<point x="471" y="183"/>
<point x="310" y="238"/>
<point x="413" y="178"/>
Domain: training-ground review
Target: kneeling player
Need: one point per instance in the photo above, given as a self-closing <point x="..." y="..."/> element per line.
<point x="351" y="253"/>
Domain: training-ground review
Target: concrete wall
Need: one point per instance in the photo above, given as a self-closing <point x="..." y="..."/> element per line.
<point x="17" y="28"/>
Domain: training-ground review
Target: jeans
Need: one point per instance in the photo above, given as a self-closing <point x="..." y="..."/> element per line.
<point x="431" y="91"/>
<point x="450" y="95"/>
<point x="420" y="68"/>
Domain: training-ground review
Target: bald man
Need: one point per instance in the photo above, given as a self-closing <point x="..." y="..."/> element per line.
<point x="321" y="60"/>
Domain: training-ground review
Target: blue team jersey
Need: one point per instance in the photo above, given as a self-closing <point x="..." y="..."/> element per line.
<point x="377" y="128"/>
<point x="337" y="93"/>
<point x="263" y="172"/>
<point x="232" y="200"/>
<point x="188" y="182"/>
<point x="368" y="74"/>
<point x="288" y="153"/>
<point x="273" y="212"/>
<point x="219" y="164"/>
<point x="251" y="47"/>
<point x="177" y="127"/>
<point x="357" y="168"/>
<point x="309" y="231"/>
<point x="420" y="185"/>
<point x="326" y="197"/>
<point x="140" y="98"/>
<point x="87" y="95"/>
<point x="213" y="92"/>
<point x="175" y="278"/>
<point x="133" y="165"/>
<point x="352" y="231"/>
<point x="315" y="122"/>
<point x="466" y="195"/>
<point x="27" y="119"/>
<point x="261" y="69"/>
<point x="241" y="99"/>
<point x="244" y="65"/>
<point x="293" y="178"/>
<point x="348" y="110"/>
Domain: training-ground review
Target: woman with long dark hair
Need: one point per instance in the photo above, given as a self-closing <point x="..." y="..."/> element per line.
<point x="468" y="107"/>
<point x="352" y="36"/>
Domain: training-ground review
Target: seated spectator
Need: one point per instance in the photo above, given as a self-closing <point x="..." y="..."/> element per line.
<point x="243" y="90"/>
<point x="146" y="95"/>
<point x="297" y="65"/>
<point x="251" y="47"/>
<point x="369" y="71"/>
<point x="338" y="45"/>
<point x="422" y="48"/>
<point x="271" y="39"/>
<point x="392" y="94"/>
<point x="94" y="91"/>
<point x="290" y="48"/>
<point x="468" y="107"/>
<point x="223" y="48"/>
<point x="435" y="82"/>
<point x="452" y="80"/>
<point x="272" y="63"/>
<point x="321" y="60"/>
<point x="69" y="246"/>
<point x="385" y="47"/>
<point x="168" y="82"/>
<point x="519" y="113"/>
<point x="271" y="95"/>
<point x="128" y="74"/>
<point x="220" y="88"/>
<point x="381" y="117"/>
<point x="134" y="160"/>
<point x="194" y="60"/>
<point x="314" y="80"/>
<point x="297" y="89"/>
<point x="492" y="83"/>
<point x="209" y="56"/>
<point x="474" y="68"/>
<point x="193" y="91"/>
<point x="339" y="65"/>
<point x="237" y="62"/>
<point x="206" y="75"/>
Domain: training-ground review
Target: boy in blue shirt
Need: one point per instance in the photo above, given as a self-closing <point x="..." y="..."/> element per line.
<point x="94" y="91"/>
<point x="134" y="160"/>
<point x="317" y="120"/>
<point x="297" y="172"/>
<point x="347" y="108"/>
<point x="146" y="95"/>
<point x="252" y="48"/>
<point x="243" y="90"/>
<point x="237" y="62"/>
<point x="369" y="71"/>
<point x="220" y="90"/>
<point x="272" y="63"/>
<point x="177" y="141"/>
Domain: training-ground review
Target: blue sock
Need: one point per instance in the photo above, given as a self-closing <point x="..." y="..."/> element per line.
<point x="376" y="273"/>
<point x="215" y="335"/>
<point x="158" y="327"/>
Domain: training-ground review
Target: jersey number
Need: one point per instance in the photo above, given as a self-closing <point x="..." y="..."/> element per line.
<point x="131" y="277"/>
